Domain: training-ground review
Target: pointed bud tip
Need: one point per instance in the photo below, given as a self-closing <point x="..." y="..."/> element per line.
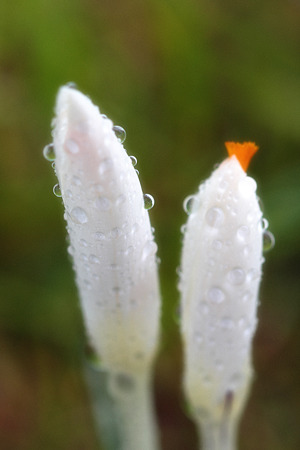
<point x="73" y="103"/>
<point x="243" y="152"/>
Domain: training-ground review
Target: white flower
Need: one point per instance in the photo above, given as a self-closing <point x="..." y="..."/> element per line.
<point x="111" y="241"/>
<point x="220" y="276"/>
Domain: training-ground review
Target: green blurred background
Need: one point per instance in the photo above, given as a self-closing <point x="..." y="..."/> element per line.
<point x="182" y="77"/>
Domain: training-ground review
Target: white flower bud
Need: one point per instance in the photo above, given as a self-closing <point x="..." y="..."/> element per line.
<point x="220" y="276"/>
<point x="111" y="241"/>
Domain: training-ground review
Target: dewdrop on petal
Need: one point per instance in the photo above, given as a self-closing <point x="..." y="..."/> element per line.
<point x="109" y="229"/>
<point x="219" y="284"/>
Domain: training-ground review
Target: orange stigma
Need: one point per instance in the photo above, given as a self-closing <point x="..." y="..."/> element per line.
<point x="243" y="151"/>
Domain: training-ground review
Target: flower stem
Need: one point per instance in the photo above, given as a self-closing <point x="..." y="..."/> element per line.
<point x="218" y="436"/>
<point x="134" y="411"/>
<point x="106" y="426"/>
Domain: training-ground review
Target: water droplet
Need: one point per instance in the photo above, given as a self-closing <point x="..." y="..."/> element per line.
<point x="99" y="236"/>
<point x="83" y="243"/>
<point x="236" y="276"/>
<point x="87" y="285"/>
<point x="243" y="232"/>
<point x="253" y="274"/>
<point x="234" y="211"/>
<point x="247" y="332"/>
<point x="223" y="184"/>
<point x="56" y="190"/>
<point x="121" y="200"/>
<point x="215" y="217"/>
<point x="76" y="181"/>
<point x="260" y="203"/>
<point x="150" y="248"/>
<point x="71" y="85"/>
<point x="242" y="322"/>
<point x="148" y="201"/>
<point x="105" y="166"/>
<point x="215" y="295"/>
<point x="188" y="204"/>
<point x="115" y="233"/>
<point x="53" y="166"/>
<point x="133" y="160"/>
<point x="247" y="186"/>
<point x="246" y="296"/>
<point x="83" y="257"/>
<point x="94" y="190"/>
<point x="71" y="146"/>
<point x="268" y="240"/>
<point x="93" y="259"/>
<point x="49" y="152"/>
<point x="103" y="203"/>
<point x="129" y="250"/>
<point x="178" y="271"/>
<point x="78" y="215"/>
<point x="135" y="228"/>
<point x="70" y="250"/>
<point x="227" y="323"/>
<point x="87" y="267"/>
<point x="246" y="251"/>
<point x="69" y="194"/>
<point x="183" y="228"/>
<point x="137" y="172"/>
<point x="203" y="308"/>
<point x="263" y="224"/>
<point x="211" y="262"/>
<point x="104" y="116"/>
<point x="217" y="244"/>
<point x="120" y="133"/>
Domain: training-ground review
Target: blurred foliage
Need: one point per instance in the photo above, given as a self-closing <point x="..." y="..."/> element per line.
<point x="181" y="77"/>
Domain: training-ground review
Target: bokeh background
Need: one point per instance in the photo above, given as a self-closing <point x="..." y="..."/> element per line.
<point x="181" y="77"/>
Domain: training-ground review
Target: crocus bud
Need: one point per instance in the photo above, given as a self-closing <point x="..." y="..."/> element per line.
<point x="220" y="276"/>
<point x="111" y="240"/>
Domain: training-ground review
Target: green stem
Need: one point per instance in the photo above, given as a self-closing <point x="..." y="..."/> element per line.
<point x="106" y="426"/>
<point x="134" y="411"/>
<point x="123" y="410"/>
<point x="218" y="436"/>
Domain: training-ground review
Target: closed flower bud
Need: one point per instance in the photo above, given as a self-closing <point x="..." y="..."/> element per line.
<point x="220" y="276"/>
<point x="111" y="241"/>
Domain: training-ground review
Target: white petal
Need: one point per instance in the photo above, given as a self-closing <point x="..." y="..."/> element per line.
<point x="220" y="275"/>
<point x="109" y="231"/>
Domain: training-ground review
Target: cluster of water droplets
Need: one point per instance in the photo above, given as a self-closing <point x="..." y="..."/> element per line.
<point x="215" y="215"/>
<point x="77" y="214"/>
